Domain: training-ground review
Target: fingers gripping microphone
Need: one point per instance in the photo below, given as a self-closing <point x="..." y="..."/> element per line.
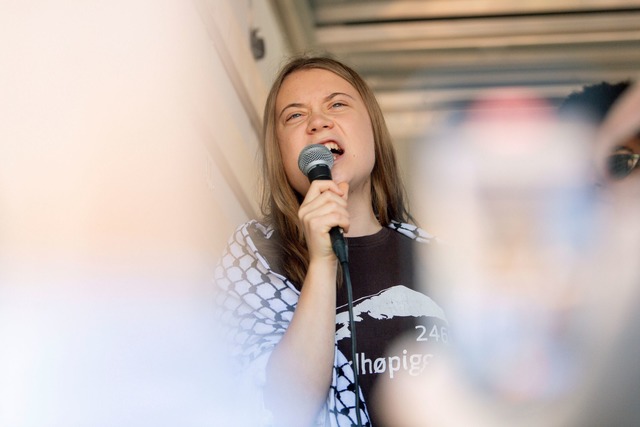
<point x="316" y="161"/>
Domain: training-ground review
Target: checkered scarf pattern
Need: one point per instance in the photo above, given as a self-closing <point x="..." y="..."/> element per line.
<point x="256" y="305"/>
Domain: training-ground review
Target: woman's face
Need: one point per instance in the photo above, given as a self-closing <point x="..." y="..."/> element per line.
<point x="316" y="106"/>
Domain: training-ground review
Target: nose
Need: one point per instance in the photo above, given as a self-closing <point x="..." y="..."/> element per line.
<point x="319" y="121"/>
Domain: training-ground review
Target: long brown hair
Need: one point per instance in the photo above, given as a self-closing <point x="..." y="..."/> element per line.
<point x="280" y="202"/>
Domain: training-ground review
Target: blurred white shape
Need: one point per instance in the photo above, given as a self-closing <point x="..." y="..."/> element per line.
<point x="106" y="220"/>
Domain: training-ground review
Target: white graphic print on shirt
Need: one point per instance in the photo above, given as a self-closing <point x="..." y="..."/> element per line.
<point x="399" y="303"/>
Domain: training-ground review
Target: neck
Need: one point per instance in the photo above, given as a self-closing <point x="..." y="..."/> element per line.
<point x="362" y="219"/>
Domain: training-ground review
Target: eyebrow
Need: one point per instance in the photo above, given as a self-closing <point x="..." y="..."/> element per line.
<point x="327" y="98"/>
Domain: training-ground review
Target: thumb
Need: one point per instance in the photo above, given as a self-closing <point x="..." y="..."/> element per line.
<point x="344" y="186"/>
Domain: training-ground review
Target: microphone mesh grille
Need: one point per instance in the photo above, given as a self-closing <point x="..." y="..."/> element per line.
<point x="313" y="155"/>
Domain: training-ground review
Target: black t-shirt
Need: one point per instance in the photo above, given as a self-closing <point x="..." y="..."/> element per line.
<point x="387" y="304"/>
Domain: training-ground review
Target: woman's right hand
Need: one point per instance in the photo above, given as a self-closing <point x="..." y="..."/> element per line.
<point x="324" y="207"/>
<point x="299" y="369"/>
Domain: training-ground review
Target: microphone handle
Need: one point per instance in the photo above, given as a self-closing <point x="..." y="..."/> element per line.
<point x="339" y="245"/>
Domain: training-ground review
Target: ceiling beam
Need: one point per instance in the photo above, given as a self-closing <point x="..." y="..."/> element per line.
<point x="501" y="79"/>
<point x="418" y="100"/>
<point x="485" y="32"/>
<point x="339" y="12"/>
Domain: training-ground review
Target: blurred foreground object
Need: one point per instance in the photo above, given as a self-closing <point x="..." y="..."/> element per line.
<point x="529" y="272"/>
<point x="106" y="220"/>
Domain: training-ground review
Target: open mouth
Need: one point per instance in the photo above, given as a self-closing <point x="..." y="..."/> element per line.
<point x="334" y="148"/>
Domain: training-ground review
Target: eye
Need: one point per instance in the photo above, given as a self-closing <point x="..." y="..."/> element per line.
<point x="293" y="116"/>
<point x="338" y="104"/>
<point x="622" y="162"/>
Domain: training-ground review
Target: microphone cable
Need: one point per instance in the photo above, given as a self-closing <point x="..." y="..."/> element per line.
<point x="352" y="326"/>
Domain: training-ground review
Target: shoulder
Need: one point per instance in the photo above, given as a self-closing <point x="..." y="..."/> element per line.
<point x="252" y="237"/>
<point x="412" y="231"/>
<point x="254" y="228"/>
<point x="252" y="232"/>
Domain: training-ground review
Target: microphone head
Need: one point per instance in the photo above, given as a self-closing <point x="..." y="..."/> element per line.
<point x="314" y="155"/>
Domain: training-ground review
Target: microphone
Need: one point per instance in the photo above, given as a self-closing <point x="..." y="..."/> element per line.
<point x="315" y="161"/>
